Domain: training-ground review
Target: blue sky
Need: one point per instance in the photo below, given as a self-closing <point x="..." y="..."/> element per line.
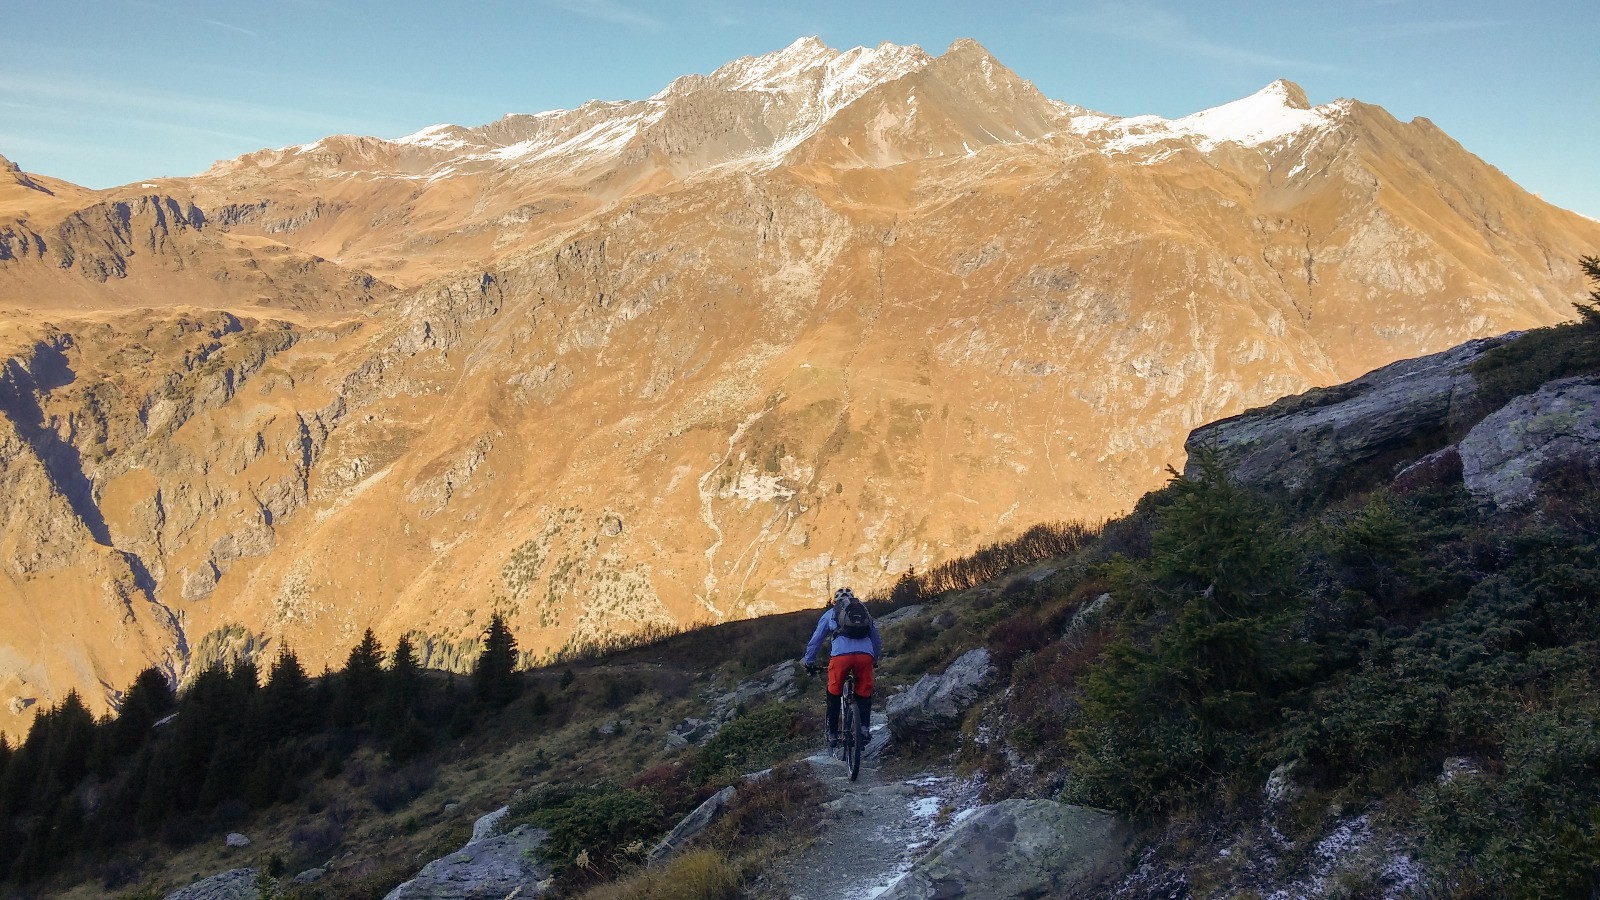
<point x="104" y="92"/>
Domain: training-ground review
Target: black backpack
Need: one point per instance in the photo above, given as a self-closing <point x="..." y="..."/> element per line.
<point x="853" y="620"/>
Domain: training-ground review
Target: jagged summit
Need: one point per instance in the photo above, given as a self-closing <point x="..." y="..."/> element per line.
<point x="12" y="174"/>
<point x="1278" y="111"/>
<point x="1287" y="92"/>
<point x="809" y="64"/>
<point x="754" y="110"/>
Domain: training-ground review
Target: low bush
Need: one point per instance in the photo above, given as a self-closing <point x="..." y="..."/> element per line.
<point x="753" y="741"/>
<point x="392" y="791"/>
<point x="786" y="802"/>
<point x="1015" y="637"/>
<point x="589" y="826"/>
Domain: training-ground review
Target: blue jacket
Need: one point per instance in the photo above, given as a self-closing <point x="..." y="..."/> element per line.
<point x="827" y="625"/>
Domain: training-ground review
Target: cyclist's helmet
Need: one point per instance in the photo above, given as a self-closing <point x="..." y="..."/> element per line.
<point x="843" y="596"/>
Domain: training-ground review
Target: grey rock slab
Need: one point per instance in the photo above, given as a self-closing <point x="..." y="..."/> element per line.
<point x="881" y="738"/>
<point x="237" y="841"/>
<point x="1283" y="784"/>
<point x="900" y="615"/>
<point x="1085" y="619"/>
<point x="484" y="826"/>
<point x="490" y="865"/>
<point x="776" y="682"/>
<point x="937" y="702"/>
<point x="234" y="884"/>
<point x="1503" y="456"/>
<point x="1296" y="440"/>
<point x="1020" y="848"/>
<point x="310" y="876"/>
<point x="1459" y="767"/>
<point x="689" y="826"/>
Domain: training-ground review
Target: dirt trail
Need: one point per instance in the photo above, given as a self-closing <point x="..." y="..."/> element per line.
<point x="874" y="829"/>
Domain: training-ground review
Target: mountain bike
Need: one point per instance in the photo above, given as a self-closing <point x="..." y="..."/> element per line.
<point x="849" y="734"/>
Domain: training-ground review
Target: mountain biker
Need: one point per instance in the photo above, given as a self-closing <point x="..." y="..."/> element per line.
<point x="856" y="646"/>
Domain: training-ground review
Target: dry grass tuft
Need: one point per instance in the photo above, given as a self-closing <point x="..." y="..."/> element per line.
<point x="703" y="874"/>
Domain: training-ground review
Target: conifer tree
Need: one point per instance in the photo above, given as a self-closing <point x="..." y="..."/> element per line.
<point x="360" y="681"/>
<point x="402" y="689"/>
<point x="149" y="699"/>
<point x="69" y="742"/>
<point x="494" y="681"/>
<point x="288" y="702"/>
<point x="1589" y="310"/>
<point x="906" y="588"/>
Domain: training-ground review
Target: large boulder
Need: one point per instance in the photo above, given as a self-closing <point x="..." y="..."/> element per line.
<point x="937" y="702"/>
<point x="235" y="884"/>
<point x="490" y="865"/>
<point x="1503" y="457"/>
<point x="1020" y="848"/>
<point x="1299" y="440"/>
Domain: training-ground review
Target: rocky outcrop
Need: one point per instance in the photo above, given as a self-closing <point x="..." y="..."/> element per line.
<point x="1020" y="848"/>
<point x="937" y="702"/>
<point x="689" y="826"/>
<point x="490" y="865"/>
<point x="776" y="682"/>
<point x="1504" y="457"/>
<point x="235" y="884"/>
<point x="901" y="616"/>
<point x="1302" y="442"/>
<point x="98" y="241"/>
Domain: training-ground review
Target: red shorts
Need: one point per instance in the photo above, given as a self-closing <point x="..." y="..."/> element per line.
<point x="859" y="663"/>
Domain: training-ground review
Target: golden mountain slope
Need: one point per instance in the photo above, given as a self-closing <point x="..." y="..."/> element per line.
<point x="810" y="320"/>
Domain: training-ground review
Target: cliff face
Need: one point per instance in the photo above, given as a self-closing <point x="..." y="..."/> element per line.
<point x="813" y="319"/>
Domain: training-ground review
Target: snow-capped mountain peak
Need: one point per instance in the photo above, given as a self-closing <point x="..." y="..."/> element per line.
<point x="1277" y="112"/>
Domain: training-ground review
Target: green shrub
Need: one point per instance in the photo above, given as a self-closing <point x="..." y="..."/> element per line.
<point x="750" y="742"/>
<point x="598" y="821"/>
<point x="1521" y="366"/>
<point x="1530" y="826"/>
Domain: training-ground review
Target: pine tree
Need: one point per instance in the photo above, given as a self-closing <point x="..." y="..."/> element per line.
<point x="71" y="738"/>
<point x="149" y="699"/>
<point x="1589" y="310"/>
<point x="288" y="703"/>
<point x="907" y="589"/>
<point x="402" y="689"/>
<point x="494" y="681"/>
<point x="360" y="682"/>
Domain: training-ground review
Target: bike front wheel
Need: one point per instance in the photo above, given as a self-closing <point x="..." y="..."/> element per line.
<point x="850" y="745"/>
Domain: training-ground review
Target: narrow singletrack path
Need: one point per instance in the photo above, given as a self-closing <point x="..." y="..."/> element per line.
<point x="873" y="829"/>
